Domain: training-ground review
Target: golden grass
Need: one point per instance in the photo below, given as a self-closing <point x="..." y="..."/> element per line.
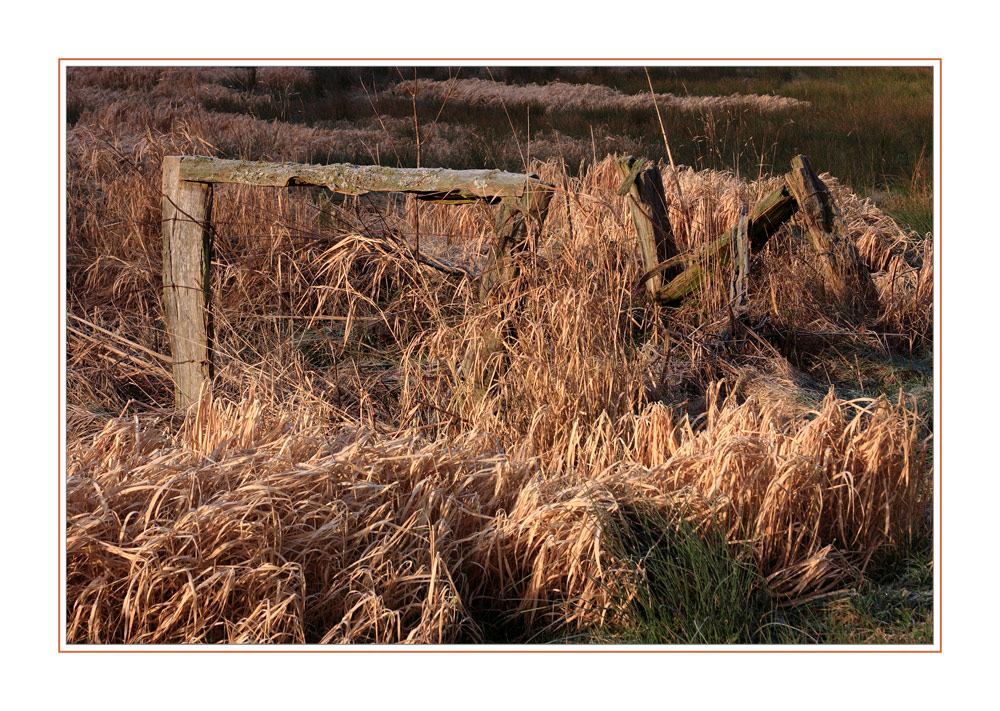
<point x="348" y="483"/>
<point x="251" y="525"/>
<point x="563" y="96"/>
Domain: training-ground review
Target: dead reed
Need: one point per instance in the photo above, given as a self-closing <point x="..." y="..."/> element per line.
<point x="347" y="483"/>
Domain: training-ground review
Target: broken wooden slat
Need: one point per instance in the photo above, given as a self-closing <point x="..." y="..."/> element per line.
<point x="513" y="218"/>
<point x="648" y="205"/>
<point x="768" y="215"/>
<point x="844" y="274"/>
<point x="689" y="280"/>
<point x="436" y="183"/>
<point x="741" y="249"/>
<point x="187" y="249"/>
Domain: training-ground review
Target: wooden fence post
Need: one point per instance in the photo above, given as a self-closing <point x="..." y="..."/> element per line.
<point x="187" y="250"/>
<point x="844" y="274"/>
<point x="648" y="204"/>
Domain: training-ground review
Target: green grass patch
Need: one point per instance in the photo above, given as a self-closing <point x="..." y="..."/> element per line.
<point x="683" y="586"/>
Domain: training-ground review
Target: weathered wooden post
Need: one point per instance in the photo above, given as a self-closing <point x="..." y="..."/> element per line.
<point x="648" y="203"/>
<point x="844" y="274"/>
<point x="187" y="256"/>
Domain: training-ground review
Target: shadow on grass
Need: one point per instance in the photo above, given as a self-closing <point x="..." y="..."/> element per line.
<point x="681" y="585"/>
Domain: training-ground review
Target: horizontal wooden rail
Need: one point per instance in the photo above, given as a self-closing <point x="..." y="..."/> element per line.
<point x="435" y="183"/>
<point x="187" y="232"/>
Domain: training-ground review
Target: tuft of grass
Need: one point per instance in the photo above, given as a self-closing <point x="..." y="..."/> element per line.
<point x="875" y="615"/>
<point x="677" y="583"/>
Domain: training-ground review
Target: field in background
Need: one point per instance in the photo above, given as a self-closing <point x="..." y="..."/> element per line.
<point x="872" y="127"/>
<point x="635" y="474"/>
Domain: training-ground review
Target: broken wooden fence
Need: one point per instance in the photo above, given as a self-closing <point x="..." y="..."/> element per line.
<point x="187" y="232"/>
<point x="669" y="275"/>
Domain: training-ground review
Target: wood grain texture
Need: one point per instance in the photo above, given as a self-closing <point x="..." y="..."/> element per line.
<point x="741" y="262"/>
<point x="648" y="204"/>
<point x="439" y="184"/>
<point x="845" y="275"/>
<point x="187" y="250"/>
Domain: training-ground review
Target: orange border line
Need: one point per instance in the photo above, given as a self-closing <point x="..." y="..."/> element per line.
<point x="597" y="650"/>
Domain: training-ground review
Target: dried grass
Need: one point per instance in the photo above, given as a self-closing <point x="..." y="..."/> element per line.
<point x="563" y="96"/>
<point x="347" y="483"/>
<point x="258" y="526"/>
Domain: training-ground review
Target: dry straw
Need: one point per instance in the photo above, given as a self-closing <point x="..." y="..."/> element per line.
<point x="347" y="483"/>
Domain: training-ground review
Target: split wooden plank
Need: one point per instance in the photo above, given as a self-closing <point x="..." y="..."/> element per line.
<point x="434" y="183"/>
<point x="844" y="273"/>
<point x="767" y="216"/>
<point x="514" y="219"/>
<point x="187" y="256"/>
<point x="648" y="203"/>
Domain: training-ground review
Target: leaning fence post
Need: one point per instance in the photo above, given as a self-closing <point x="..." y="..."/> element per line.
<point x="187" y="250"/>
<point x="844" y="274"/>
<point x="648" y="205"/>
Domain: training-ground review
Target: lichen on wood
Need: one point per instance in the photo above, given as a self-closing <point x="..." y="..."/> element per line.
<point x="435" y="183"/>
<point x="643" y="185"/>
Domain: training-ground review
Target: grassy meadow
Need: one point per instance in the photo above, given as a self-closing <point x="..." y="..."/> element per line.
<point x="631" y="473"/>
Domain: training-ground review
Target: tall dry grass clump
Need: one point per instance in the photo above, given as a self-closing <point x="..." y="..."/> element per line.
<point x="250" y="528"/>
<point x="348" y="481"/>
